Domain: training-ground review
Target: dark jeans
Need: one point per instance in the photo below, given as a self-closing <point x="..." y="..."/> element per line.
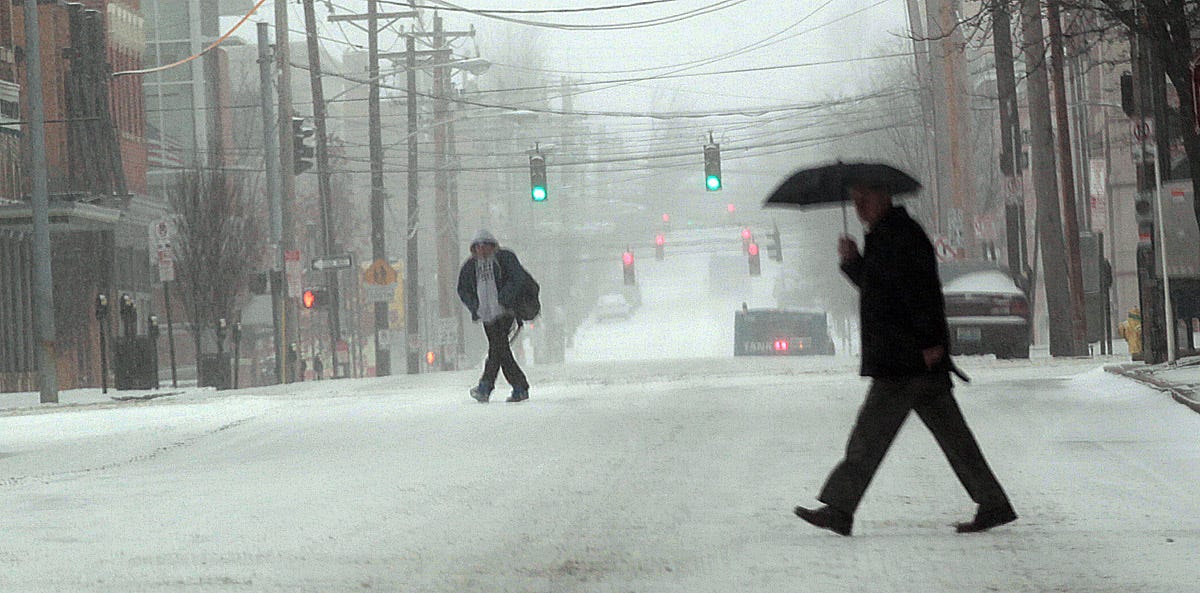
<point x="879" y="419"/>
<point x="500" y="355"/>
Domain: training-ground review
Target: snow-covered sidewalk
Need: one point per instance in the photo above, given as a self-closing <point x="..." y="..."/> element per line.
<point x="1181" y="380"/>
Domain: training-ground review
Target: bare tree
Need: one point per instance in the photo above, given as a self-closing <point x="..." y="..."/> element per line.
<point x="218" y="239"/>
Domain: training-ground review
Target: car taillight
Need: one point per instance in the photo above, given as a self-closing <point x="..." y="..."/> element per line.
<point x="1018" y="307"/>
<point x="781" y="345"/>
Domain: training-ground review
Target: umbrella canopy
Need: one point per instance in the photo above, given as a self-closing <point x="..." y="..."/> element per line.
<point x="825" y="185"/>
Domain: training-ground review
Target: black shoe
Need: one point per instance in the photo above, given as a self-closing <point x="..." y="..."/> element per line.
<point x="987" y="518"/>
<point x="827" y="517"/>
<point x="481" y="393"/>
<point x="518" y="395"/>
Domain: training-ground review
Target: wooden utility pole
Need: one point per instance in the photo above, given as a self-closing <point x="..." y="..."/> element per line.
<point x="287" y="181"/>
<point x="324" y="190"/>
<point x="1066" y="173"/>
<point x="928" y="114"/>
<point x="1049" y="223"/>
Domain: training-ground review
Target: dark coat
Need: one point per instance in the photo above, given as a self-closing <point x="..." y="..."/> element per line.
<point x="901" y="308"/>
<point x="510" y="277"/>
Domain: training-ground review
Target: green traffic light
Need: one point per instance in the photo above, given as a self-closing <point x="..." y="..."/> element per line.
<point x="713" y="183"/>
<point x="539" y="193"/>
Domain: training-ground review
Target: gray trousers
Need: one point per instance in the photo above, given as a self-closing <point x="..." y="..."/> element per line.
<point x="888" y="403"/>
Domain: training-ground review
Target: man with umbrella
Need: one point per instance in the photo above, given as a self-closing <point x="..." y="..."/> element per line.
<point x="905" y="341"/>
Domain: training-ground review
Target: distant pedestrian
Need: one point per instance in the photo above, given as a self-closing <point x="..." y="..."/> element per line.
<point x="303" y="368"/>
<point x="1131" y="330"/>
<point x="318" y="367"/>
<point x="488" y="284"/>
<point x="905" y="342"/>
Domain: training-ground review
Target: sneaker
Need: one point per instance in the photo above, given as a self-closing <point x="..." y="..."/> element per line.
<point x="481" y="393"/>
<point x="827" y="517"/>
<point x="518" y="395"/>
<point x="987" y="518"/>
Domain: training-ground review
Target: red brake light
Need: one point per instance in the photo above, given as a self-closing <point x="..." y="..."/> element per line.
<point x="781" y="345"/>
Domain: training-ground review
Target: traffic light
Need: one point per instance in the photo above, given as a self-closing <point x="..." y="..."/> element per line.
<point x="627" y="268"/>
<point x="302" y="153"/>
<point x="775" y="248"/>
<point x="537" y="177"/>
<point x="659" y="240"/>
<point x="314" y="298"/>
<point x="747" y="239"/>
<point x="712" y="167"/>
<point x="755" y="266"/>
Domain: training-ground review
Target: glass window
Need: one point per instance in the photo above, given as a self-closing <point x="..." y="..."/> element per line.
<point x="169" y="53"/>
<point x="172" y="20"/>
<point x="178" y="116"/>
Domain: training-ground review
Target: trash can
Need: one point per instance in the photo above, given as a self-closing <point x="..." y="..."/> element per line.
<point x="135" y="363"/>
<point x="214" y="370"/>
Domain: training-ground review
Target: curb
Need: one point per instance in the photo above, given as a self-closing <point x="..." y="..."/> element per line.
<point x="1145" y="375"/>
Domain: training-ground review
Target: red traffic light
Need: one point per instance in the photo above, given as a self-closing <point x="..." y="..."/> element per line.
<point x="430" y="358"/>
<point x="627" y="258"/>
<point x="753" y="249"/>
<point x="745" y="233"/>
<point x="659" y="240"/>
<point x="666" y="217"/>
<point x="731" y="208"/>
<point x="309" y="298"/>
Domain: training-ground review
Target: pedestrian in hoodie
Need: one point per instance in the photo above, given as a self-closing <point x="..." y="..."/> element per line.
<point x="905" y="352"/>
<point x="488" y="284"/>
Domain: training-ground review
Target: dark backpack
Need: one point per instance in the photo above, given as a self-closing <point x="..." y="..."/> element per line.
<point x="527" y="305"/>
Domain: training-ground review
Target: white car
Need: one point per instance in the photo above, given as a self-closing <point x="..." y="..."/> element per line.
<point x="612" y="306"/>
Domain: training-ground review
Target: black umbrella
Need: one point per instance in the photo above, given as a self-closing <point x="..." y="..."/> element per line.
<point x="825" y="185"/>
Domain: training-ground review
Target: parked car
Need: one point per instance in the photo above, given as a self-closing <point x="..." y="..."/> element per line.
<point x="612" y="306"/>
<point x="987" y="310"/>
<point x="780" y="332"/>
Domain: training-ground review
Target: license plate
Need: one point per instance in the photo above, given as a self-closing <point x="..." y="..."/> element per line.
<point x="969" y="334"/>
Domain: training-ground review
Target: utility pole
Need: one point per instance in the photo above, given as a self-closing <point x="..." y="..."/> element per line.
<point x="323" y="182"/>
<point x="928" y="115"/>
<point x="1010" y="140"/>
<point x="444" y="218"/>
<point x="1049" y="225"/>
<point x="1066" y="174"/>
<point x="287" y="176"/>
<point x="43" y="277"/>
<point x="446" y="212"/>
<point x="383" y="362"/>
<point x="412" y="291"/>
<point x="270" y="156"/>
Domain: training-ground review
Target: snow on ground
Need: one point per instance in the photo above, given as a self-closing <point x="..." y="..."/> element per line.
<point x="652" y="462"/>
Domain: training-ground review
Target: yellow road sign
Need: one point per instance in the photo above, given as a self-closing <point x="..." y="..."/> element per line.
<point x="380" y="273"/>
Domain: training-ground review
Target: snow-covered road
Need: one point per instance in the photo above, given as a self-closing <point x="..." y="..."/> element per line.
<point x="647" y="476"/>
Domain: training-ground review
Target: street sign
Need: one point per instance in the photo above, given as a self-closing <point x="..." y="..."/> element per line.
<point x="166" y="266"/>
<point x="380" y="273"/>
<point x="379" y="293"/>
<point x="1141" y="129"/>
<point x="332" y="262"/>
<point x="292" y="269"/>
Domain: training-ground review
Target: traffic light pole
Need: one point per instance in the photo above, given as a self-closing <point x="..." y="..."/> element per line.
<point x="323" y="182"/>
<point x="412" y="290"/>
